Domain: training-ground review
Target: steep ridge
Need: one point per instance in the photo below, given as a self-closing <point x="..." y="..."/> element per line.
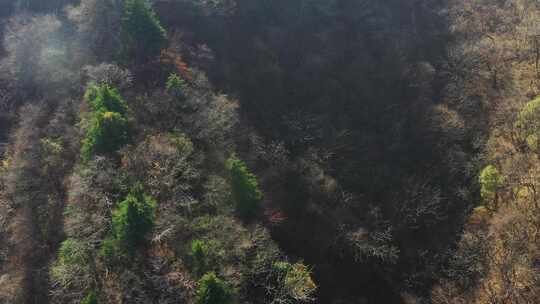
<point x="497" y="49"/>
<point x="355" y="99"/>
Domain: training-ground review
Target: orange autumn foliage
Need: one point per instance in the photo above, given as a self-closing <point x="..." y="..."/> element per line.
<point x="171" y="57"/>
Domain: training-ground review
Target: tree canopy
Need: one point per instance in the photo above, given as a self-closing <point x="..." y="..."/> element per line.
<point x="144" y="36"/>
<point x="213" y="290"/>
<point x="490" y="181"/>
<point x="245" y="186"/>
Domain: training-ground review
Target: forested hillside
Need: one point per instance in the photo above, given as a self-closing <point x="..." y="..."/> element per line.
<point x="285" y="151"/>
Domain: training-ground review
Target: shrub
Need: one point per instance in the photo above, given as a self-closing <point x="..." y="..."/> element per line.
<point x="245" y="188"/>
<point x="479" y="217"/>
<point x="52" y="149"/>
<point x="199" y="252"/>
<point x="295" y="281"/>
<point x="298" y="282"/>
<point x="91" y="298"/>
<point x="51" y="145"/>
<point x="176" y="86"/>
<point x="108" y="131"/>
<point x="528" y="124"/>
<point x="213" y="290"/>
<point x="144" y="35"/>
<point x="207" y="255"/>
<point x="109" y="248"/>
<point x="72" y="265"/>
<point x="72" y="252"/>
<point x="491" y="181"/>
<point x="132" y="220"/>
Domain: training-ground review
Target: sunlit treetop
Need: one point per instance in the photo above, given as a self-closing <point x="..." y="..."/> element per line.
<point x="103" y="98"/>
<point x="490" y="182"/>
<point x="528" y="123"/>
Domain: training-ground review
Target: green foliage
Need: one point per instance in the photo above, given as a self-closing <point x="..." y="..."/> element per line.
<point x="108" y="127"/>
<point x="52" y="146"/>
<point x="245" y="188"/>
<point x="528" y="124"/>
<point x="133" y="219"/>
<point x="207" y="255"/>
<point x="295" y="281"/>
<point x="144" y="35"/>
<point x="108" y="131"/>
<point x="91" y="298"/>
<point x="109" y="248"/>
<point x="176" y="86"/>
<point x="213" y="290"/>
<point x="182" y="143"/>
<point x="72" y="265"/>
<point x="199" y="252"/>
<point x="490" y="182"/>
<point x="72" y="252"/>
<point x="52" y="149"/>
<point x="298" y="282"/>
<point x="281" y="267"/>
<point x="103" y="98"/>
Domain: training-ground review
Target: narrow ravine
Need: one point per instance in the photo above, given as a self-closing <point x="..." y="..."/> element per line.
<point x="269" y="152"/>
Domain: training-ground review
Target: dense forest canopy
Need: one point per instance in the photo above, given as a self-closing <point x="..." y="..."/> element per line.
<point x="254" y="151"/>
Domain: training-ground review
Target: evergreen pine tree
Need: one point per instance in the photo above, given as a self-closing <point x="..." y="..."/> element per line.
<point x="144" y="36"/>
